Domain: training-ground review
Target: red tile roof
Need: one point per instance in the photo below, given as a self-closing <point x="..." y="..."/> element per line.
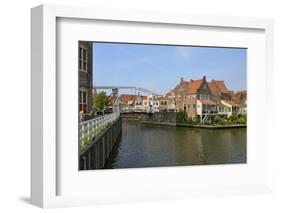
<point x="220" y="85"/>
<point x="194" y="85"/>
<point x="239" y="96"/>
<point x="217" y="86"/>
<point x="128" y="97"/>
<point x="213" y="87"/>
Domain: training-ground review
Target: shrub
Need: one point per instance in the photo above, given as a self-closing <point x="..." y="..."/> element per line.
<point x="237" y="119"/>
<point x="197" y="120"/>
<point x="188" y="121"/>
<point x="181" y="117"/>
<point x="217" y="119"/>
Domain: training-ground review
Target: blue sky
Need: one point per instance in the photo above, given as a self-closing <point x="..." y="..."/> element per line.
<point x="160" y="67"/>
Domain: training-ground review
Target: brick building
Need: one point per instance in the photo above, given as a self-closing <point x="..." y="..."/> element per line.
<point x="85" y="77"/>
<point x="187" y="94"/>
<point x="198" y="97"/>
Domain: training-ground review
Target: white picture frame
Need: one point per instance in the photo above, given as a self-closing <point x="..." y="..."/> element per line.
<point x="44" y="155"/>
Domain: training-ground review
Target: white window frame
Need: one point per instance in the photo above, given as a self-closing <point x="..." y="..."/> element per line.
<point x="83" y="60"/>
<point x="82" y="96"/>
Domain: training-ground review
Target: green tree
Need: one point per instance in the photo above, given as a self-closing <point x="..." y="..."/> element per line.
<point x="100" y="101"/>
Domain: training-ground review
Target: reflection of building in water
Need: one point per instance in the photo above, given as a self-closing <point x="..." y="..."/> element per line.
<point x="202" y="146"/>
<point x="150" y="145"/>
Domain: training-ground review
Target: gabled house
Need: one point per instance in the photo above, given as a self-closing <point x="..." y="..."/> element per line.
<point x="187" y="94"/>
<point x="198" y="90"/>
<point x="180" y="92"/>
<point x="219" y="91"/>
<point x="152" y="103"/>
<point x="127" y="101"/>
<point x="132" y="102"/>
<point x="199" y="97"/>
<point x="163" y="103"/>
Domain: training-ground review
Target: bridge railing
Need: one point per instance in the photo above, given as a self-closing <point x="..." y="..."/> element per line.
<point x="92" y="128"/>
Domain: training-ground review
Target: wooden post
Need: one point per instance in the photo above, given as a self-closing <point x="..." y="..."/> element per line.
<point x="84" y="163"/>
<point x="88" y="131"/>
<point x="82" y="135"/>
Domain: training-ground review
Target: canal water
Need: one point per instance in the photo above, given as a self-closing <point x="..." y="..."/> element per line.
<point x="145" y="145"/>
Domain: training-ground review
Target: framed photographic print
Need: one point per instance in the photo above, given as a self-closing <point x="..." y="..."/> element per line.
<point x="146" y="105"/>
<point x="165" y="121"/>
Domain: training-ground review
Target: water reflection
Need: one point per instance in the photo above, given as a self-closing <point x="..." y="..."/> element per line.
<point x="144" y="145"/>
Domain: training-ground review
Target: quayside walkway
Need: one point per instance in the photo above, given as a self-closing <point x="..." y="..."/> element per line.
<point x="97" y="138"/>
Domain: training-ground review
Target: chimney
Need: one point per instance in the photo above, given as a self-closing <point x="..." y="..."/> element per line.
<point x="181" y="79"/>
<point x="204" y="78"/>
<point x="191" y="80"/>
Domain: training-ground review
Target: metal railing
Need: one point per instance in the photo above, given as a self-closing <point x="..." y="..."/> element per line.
<point x="92" y="128"/>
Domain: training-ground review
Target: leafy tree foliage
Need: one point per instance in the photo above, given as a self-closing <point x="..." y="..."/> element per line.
<point x="100" y="101"/>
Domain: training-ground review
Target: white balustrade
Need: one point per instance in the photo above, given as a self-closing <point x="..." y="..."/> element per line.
<point x="91" y="128"/>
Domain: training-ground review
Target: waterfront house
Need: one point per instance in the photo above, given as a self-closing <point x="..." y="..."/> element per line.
<point x="151" y="104"/>
<point x="223" y="110"/>
<point x="219" y="91"/>
<point x="233" y="108"/>
<point x="127" y="102"/>
<point x="134" y="103"/>
<point x="163" y="103"/>
<point x="85" y="78"/>
<point x="139" y="106"/>
<point x="180" y="92"/>
<point x="199" y="97"/>
<point x="171" y="105"/>
<point x="198" y="90"/>
<point x="206" y="106"/>
<point x="187" y="94"/>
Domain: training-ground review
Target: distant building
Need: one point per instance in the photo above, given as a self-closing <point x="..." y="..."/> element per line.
<point x="187" y="94"/>
<point x="85" y="77"/>
<point x="130" y="102"/>
<point x="141" y="103"/>
<point x="240" y="98"/>
<point x="198" y="90"/>
<point x="171" y="101"/>
<point x="163" y="103"/>
<point x="199" y="97"/>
